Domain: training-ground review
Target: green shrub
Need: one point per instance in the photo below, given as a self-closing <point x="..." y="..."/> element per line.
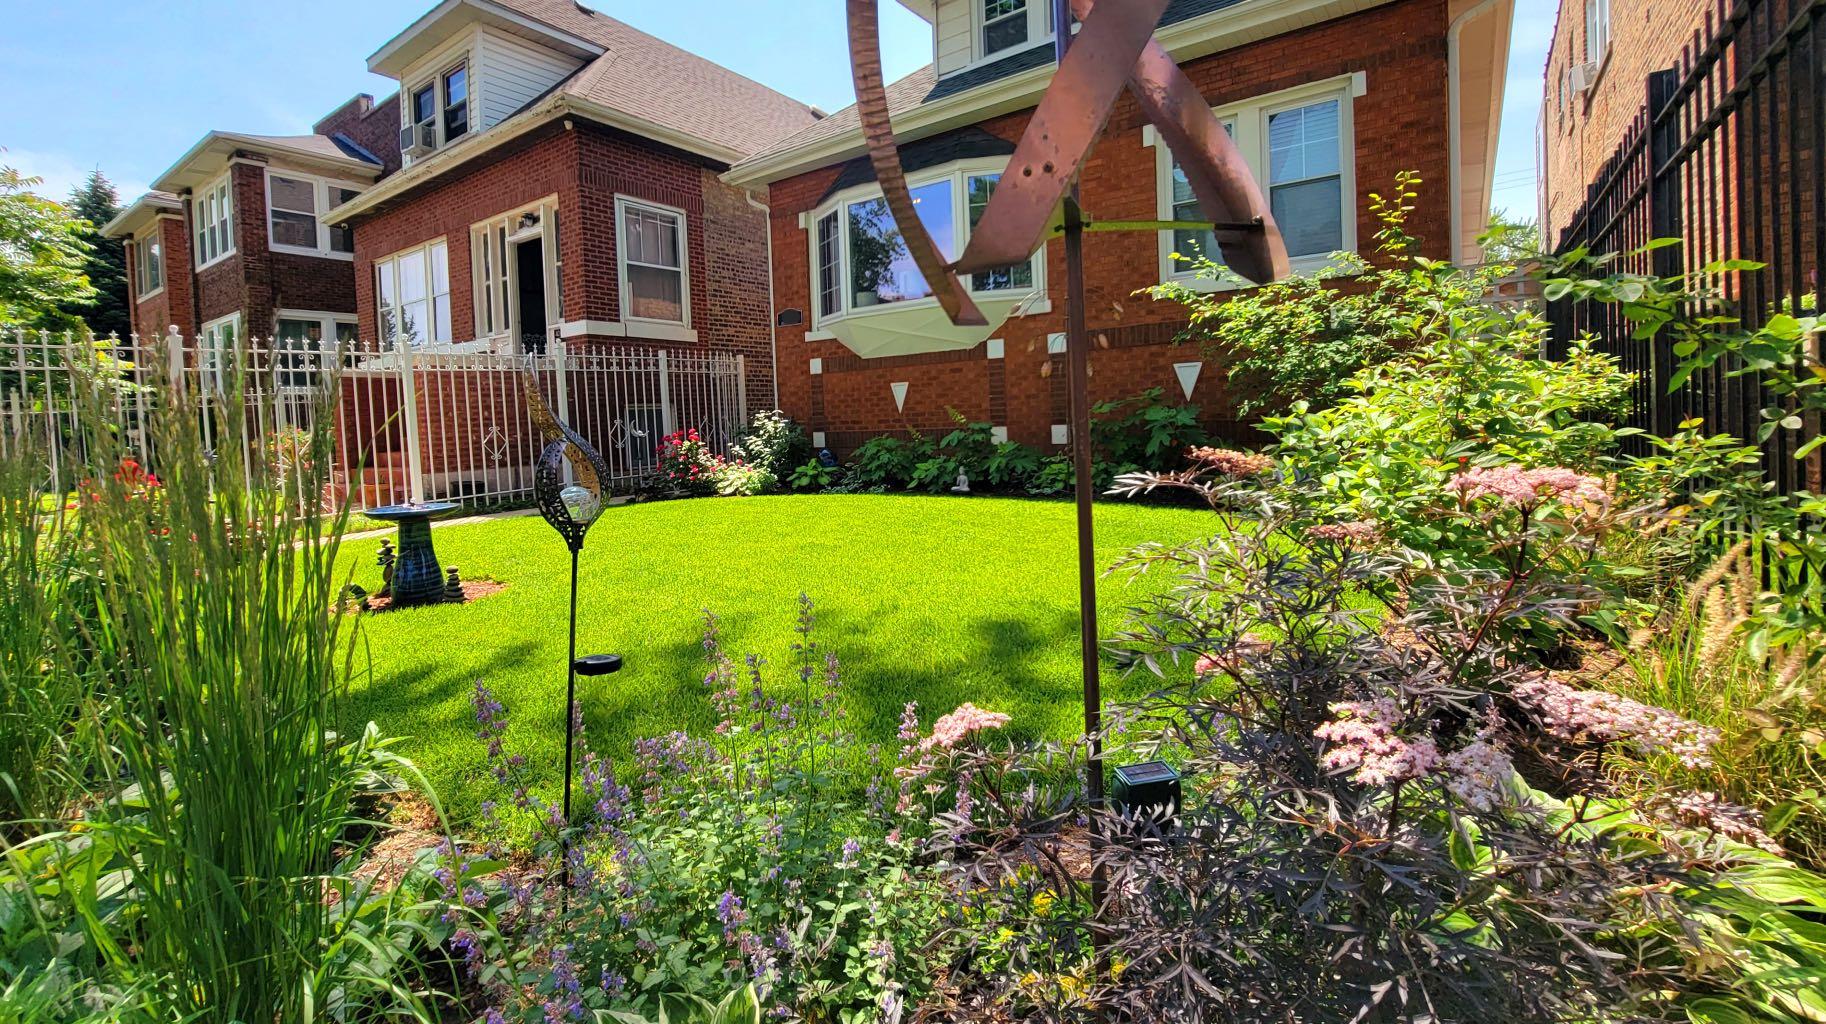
<point x="773" y="443"/>
<point x="1142" y="432"/>
<point x="814" y="475"/>
<point x="887" y="462"/>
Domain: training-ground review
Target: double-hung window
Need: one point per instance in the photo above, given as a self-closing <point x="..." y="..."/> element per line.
<point x="860" y="263"/>
<point x="437" y="110"/>
<point x="1006" y="24"/>
<point x="306" y="342"/>
<point x="220" y="339"/>
<point x="148" y="264"/>
<point x="294" y="204"/>
<point x="412" y="296"/>
<point x="1597" y="30"/>
<point x="1299" y="146"/>
<point x="655" y="281"/>
<point x="212" y="215"/>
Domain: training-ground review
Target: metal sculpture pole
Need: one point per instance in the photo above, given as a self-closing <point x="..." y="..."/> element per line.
<point x="1037" y="197"/>
<point x="571" y="508"/>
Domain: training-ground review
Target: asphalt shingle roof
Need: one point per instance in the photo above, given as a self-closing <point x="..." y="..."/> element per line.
<point x="649" y="78"/>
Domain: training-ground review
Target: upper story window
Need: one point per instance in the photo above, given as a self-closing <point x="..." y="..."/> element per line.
<point x="148" y="264"/>
<point x="861" y="263"/>
<point x="412" y="296"/>
<point x="655" y="282"/>
<point x="212" y="214"/>
<point x="1597" y="30"/>
<point x="1299" y="145"/>
<point x="1007" y="25"/>
<point x="294" y="204"/>
<point x="437" y="111"/>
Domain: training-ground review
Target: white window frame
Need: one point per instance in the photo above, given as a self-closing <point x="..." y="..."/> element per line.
<point x="504" y="293"/>
<point x="143" y="263"/>
<point x="622" y="205"/>
<point x="320" y="191"/>
<point x="1038" y="15"/>
<point x="212" y="213"/>
<point x="390" y="263"/>
<point x="327" y="323"/>
<point x="1250" y="118"/>
<point x="1597" y="31"/>
<point x="438" y="82"/>
<point x="212" y="368"/>
<point x="959" y="172"/>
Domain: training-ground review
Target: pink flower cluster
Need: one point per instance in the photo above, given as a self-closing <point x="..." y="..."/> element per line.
<point x="1360" y="532"/>
<point x="1477" y="773"/>
<point x="1594" y="716"/>
<point x="1714" y="814"/>
<point x="1527" y="488"/>
<point x="1230" y="462"/>
<point x="953" y="728"/>
<point x="1364" y="740"/>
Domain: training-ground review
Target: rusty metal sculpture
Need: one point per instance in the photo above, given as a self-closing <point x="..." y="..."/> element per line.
<point x="1036" y="199"/>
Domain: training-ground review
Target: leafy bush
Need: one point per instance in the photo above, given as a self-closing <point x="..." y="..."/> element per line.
<point x="887" y="462"/>
<point x="737" y="479"/>
<point x="813" y="476"/>
<point x="1142" y="432"/>
<point x="773" y="443"/>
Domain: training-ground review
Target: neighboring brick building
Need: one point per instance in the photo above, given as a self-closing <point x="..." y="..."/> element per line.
<point x="234" y="242"/>
<point x="1328" y="100"/>
<point x="1598" y="64"/>
<point x="561" y="181"/>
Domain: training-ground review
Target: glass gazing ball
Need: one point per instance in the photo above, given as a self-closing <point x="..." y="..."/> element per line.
<point x="581" y="504"/>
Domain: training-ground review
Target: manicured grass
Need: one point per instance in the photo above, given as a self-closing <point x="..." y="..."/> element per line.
<point x="939" y="600"/>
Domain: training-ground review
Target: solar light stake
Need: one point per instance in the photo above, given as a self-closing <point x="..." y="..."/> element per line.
<point x="571" y="508"/>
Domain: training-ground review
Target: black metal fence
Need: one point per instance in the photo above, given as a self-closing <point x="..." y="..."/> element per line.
<point x="1728" y="154"/>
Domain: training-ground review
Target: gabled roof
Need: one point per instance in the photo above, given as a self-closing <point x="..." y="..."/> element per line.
<point x="141" y="212"/>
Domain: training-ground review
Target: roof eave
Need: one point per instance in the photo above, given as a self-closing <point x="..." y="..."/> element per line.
<point x="142" y="210"/>
<point x="1186" y="40"/>
<point x="383" y="61"/>
<point x="176" y="178"/>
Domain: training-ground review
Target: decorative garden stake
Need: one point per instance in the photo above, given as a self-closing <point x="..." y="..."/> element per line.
<point x="571" y="508"/>
<point x="1036" y="198"/>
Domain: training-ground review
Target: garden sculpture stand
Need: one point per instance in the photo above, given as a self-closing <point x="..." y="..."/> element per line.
<point x="1036" y="198"/>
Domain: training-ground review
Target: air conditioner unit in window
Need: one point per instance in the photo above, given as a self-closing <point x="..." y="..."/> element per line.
<point x="1584" y="76"/>
<point x="418" y="139"/>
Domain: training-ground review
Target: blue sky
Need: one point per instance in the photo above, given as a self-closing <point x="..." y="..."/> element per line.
<point x="93" y="83"/>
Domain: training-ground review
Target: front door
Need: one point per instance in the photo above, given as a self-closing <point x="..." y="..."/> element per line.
<point x="529" y="266"/>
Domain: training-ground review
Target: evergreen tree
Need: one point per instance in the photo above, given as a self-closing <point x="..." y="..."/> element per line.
<point x="97" y="203"/>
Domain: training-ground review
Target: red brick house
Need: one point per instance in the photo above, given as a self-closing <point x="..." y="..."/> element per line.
<point x="235" y="242"/>
<point x="1328" y="99"/>
<point x="561" y="179"/>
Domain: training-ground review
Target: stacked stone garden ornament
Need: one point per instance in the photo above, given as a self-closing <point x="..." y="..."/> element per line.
<point x="1036" y="199"/>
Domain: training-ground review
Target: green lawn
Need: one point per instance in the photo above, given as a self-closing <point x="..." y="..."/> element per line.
<point x="939" y="600"/>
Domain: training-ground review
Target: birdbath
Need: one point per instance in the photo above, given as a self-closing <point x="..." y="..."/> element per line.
<point x="417" y="577"/>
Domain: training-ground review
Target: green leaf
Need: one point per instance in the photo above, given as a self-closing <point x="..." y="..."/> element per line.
<point x="1717" y="1011"/>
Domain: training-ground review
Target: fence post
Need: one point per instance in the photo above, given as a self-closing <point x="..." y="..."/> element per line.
<point x="741" y="391"/>
<point x="561" y="394"/>
<point x="1664" y="222"/>
<point x="174" y="357"/>
<point x="665" y="397"/>
<point x="408" y="412"/>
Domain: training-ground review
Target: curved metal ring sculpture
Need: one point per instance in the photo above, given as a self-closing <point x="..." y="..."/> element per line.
<point x="1114" y="48"/>
<point x="570" y="508"/>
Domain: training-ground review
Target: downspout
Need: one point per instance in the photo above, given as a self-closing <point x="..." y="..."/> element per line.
<point x="773" y="315"/>
<point x="1454" y="107"/>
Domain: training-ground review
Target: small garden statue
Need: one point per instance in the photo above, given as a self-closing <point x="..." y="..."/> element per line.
<point x="453" y="586"/>
<point x="385" y="558"/>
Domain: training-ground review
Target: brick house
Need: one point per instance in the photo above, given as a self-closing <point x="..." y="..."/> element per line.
<point x="561" y="180"/>
<point x="1328" y="99"/>
<point x="1602" y="53"/>
<point x="233" y="241"/>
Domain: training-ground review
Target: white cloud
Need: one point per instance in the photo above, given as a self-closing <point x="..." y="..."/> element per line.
<point x="63" y="173"/>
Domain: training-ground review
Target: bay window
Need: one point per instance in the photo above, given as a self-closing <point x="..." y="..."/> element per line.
<point x="148" y="264"/>
<point x="212" y="216"/>
<point x="412" y="296"/>
<point x="1299" y="146"/>
<point x="860" y="263"/>
<point x="652" y="248"/>
<point x="294" y="203"/>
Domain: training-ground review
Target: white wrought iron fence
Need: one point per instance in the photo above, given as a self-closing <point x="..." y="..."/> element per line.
<point x="409" y="425"/>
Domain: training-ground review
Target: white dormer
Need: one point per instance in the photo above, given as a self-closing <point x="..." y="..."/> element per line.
<point x="468" y="65"/>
